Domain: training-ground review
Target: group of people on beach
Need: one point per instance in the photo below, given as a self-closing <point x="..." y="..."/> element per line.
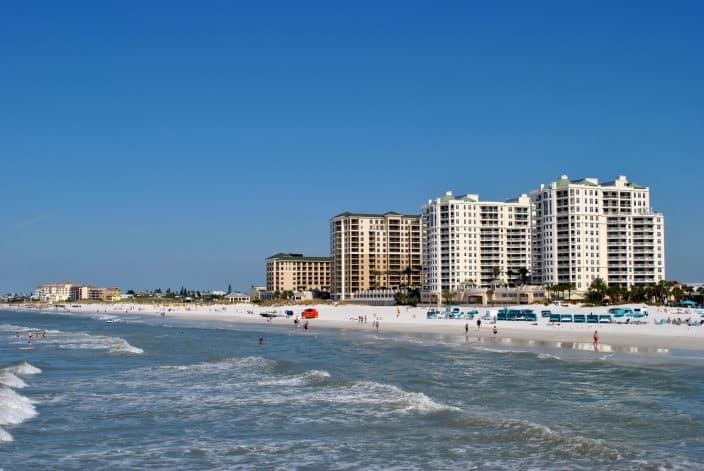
<point x="495" y="329"/>
<point x="297" y="323"/>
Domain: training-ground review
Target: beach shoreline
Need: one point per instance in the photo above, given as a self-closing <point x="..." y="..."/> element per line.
<point x="642" y="336"/>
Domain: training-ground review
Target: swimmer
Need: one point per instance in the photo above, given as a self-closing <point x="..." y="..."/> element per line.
<point x="261" y="340"/>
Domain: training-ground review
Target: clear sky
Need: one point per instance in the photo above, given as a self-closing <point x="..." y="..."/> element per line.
<point x="160" y="144"/>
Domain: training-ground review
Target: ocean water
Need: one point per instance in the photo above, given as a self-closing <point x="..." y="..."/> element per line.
<point x="164" y="394"/>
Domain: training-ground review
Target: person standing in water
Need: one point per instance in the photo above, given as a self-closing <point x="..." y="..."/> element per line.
<point x="466" y="328"/>
<point x="496" y="331"/>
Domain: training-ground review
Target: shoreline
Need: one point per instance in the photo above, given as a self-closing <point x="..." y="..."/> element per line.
<point x="402" y="320"/>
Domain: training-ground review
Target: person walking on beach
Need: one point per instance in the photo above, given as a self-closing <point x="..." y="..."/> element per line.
<point x="479" y="323"/>
<point x="495" y="330"/>
<point x="596" y="340"/>
<point x="305" y="326"/>
<point x="466" y="328"/>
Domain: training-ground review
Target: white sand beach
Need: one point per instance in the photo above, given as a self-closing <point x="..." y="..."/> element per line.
<point x="644" y="334"/>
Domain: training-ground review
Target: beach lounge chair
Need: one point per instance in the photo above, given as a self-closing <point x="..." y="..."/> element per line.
<point x="545" y="313"/>
<point x="581" y="318"/>
<point x="592" y="318"/>
<point x="605" y="319"/>
<point x="554" y="318"/>
<point x="531" y="317"/>
<point x="565" y="317"/>
<point x="502" y="315"/>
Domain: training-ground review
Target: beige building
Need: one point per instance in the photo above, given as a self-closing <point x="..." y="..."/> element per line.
<point x="473" y="243"/>
<point x="294" y="272"/>
<point x="374" y="251"/>
<point x="586" y="230"/>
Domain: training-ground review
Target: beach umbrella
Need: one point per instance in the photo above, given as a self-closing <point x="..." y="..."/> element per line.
<point x="687" y="302"/>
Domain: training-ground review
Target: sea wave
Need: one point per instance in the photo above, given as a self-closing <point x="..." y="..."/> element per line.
<point x="9" y="379"/>
<point x="78" y="340"/>
<point x="25" y="369"/>
<point x="14" y="408"/>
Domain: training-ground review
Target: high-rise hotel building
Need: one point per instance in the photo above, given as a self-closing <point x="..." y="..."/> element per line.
<point x="373" y="251"/>
<point x="471" y="242"/>
<point x="585" y="230"/>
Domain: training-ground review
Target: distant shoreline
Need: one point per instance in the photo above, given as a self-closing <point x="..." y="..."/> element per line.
<point x="412" y="320"/>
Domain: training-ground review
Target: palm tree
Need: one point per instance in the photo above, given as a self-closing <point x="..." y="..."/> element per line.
<point x="495" y="272"/>
<point x="523" y="273"/>
<point x="448" y="295"/>
<point x="597" y="290"/>
<point x="570" y="286"/>
<point x="509" y="274"/>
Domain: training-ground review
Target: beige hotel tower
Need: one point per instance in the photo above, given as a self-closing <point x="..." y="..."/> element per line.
<point x="374" y="251"/>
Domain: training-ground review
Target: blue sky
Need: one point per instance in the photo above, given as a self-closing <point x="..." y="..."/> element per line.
<point x="180" y="143"/>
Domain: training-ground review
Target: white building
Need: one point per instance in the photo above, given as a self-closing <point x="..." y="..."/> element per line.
<point x="237" y="298"/>
<point x="53" y="293"/>
<point x="467" y="242"/>
<point x="585" y="230"/>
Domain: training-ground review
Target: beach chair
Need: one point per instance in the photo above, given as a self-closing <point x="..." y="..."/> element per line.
<point x="565" y="317"/>
<point x="545" y="313"/>
<point x="502" y="315"/>
<point x="580" y="318"/>
<point x="605" y="319"/>
<point x="532" y="317"/>
<point x="554" y="318"/>
<point x="592" y="318"/>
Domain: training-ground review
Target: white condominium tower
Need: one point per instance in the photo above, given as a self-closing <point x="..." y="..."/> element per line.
<point x="470" y="242"/>
<point x="586" y="230"/>
<point x="371" y="251"/>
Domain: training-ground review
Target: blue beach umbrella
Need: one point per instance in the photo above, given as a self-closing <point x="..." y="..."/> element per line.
<point x="687" y="302"/>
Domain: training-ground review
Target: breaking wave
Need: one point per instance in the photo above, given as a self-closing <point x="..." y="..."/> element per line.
<point x="77" y="340"/>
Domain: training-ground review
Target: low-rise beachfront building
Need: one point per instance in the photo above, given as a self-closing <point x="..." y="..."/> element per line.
<point x="255" y="292"/>
<point x="527" y="294"/>
<point x="374" y="251"/>
<point x="472" y="243"/>
<point x="59" y="292"/>
<point x="53" y="292"/>
<point x="237" y="298"/>
<point x="294" y="272"/>
<point x="585" y="230"/>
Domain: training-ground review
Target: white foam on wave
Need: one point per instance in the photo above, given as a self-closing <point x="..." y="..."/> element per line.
<point x="8" y="378"/>
<point x="79" y="340"/>
<point x="497" y="350"/>
<point x="300" y="379"/>
<point x="398" y="399"/>
<point x="14" y="408"/>
<point x="4" y="436"/>
<point x="25" y="369"/>
<point x="548" y="356"/>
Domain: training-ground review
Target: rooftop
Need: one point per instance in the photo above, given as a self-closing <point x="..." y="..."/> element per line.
<point x="375" y="215"/>
<point x="297" y="257"/>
